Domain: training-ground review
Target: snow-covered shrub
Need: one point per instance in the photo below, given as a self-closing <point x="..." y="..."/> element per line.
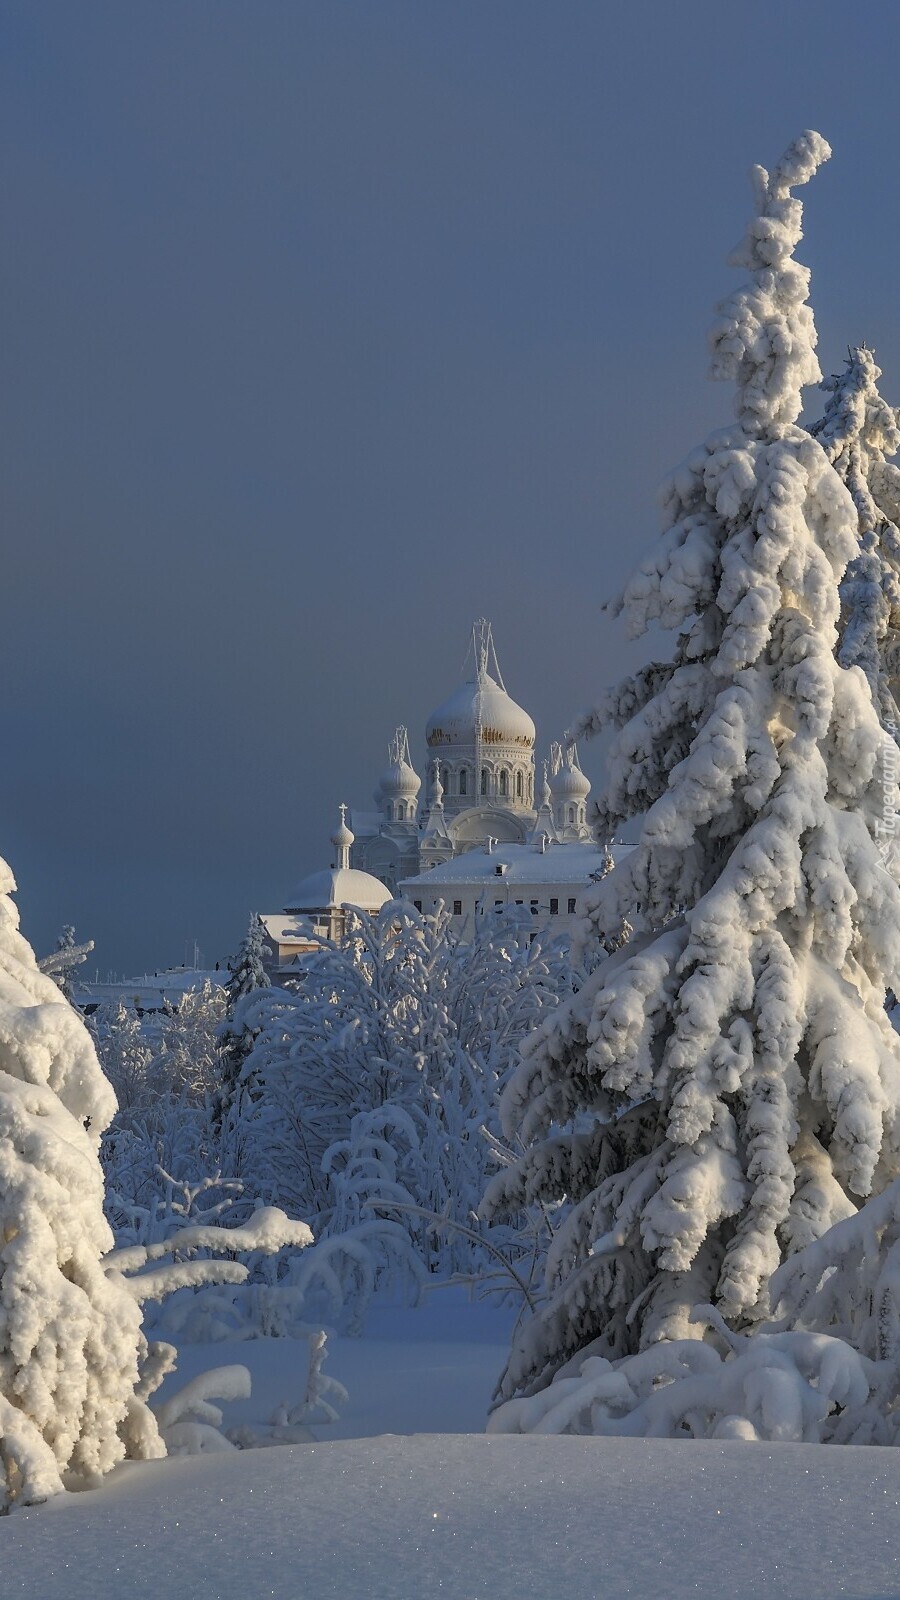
<point x="231" y="1301"/>
<point x="725" y="1087"/>
<point x="368" y="1088"/>
<point x="787" y="1387"/>
<point x="174" y="1137"/>
<point x="164" y="1071"/>
<point x="126" y="1055"/>
<point x="183" y="1260"/>
<point x="188" y="1058"/>
<point x="277" y="1293"/>
<point x="190" y="1424"/>
<point x="291" y="1424"/>
<point x="173" y="1206"/>
<point x="288" y="1296"/>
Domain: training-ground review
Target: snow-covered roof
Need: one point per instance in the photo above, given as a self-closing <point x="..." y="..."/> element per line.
<point x="149" y="990"/>
<point x="336" y="887"/>
<point x="523" y="864"/>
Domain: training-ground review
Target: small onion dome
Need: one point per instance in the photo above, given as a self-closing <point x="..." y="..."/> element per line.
<point x="342" y="838"/>
<point x="398" y="782"/>
<point x="569" y="782"/>
<point x="482" y="704"/>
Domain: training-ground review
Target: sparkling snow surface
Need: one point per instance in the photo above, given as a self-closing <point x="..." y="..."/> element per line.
<point x="455" y="1515"/>
<point x="466" y="1516"/>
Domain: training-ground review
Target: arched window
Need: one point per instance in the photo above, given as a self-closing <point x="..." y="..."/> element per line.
<point x="518" y="785"/>
<point x="401" y="811"/>
<point x="571" y="813"/>
<point x="484" y="780"/>
<point x="463" y="781"/>
<point x="504" y="783"/>
<point x="445" y="779"/>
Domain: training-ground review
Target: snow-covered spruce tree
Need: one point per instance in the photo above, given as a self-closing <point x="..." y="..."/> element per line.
<point x="726" y="1086"/>
<point x="857" y="432"/>
<point x="248" y="974"/>
<point x="69" y="1333"/>
<point x="76" y="1370"/>
<point x="61" y="963"/>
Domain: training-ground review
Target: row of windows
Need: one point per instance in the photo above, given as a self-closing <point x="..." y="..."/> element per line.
<point x="534" y="906"/>
<point x="507" y="783"/>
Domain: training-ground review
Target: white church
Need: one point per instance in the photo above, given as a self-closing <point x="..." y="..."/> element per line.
<point x="486" y="837"/>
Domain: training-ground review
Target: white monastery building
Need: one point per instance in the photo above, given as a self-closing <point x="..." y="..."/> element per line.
<point x="484" y="837"/>
<point x="318" y="908"/>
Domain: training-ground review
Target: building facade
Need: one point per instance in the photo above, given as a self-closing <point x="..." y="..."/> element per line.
<point x="484" y="828"/>
<point x="482" y="835"/>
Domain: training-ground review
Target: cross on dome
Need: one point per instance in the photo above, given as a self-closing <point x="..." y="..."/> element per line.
<point x="483" y="650"/>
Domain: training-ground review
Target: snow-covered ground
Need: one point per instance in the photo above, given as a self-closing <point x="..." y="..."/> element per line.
<point x="404" y="1500"/>
<point x="428" y="1369"/>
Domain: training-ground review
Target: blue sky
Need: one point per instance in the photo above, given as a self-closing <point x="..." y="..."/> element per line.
<point x="329" y="327"/>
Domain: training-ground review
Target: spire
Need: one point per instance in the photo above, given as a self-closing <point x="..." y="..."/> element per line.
<point x="434" y="824"/>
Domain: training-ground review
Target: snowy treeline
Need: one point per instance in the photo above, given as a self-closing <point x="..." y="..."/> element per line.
<point x="726" y="1087"/>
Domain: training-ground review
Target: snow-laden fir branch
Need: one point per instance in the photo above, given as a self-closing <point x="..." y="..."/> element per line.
<point x="858" y="432"/>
